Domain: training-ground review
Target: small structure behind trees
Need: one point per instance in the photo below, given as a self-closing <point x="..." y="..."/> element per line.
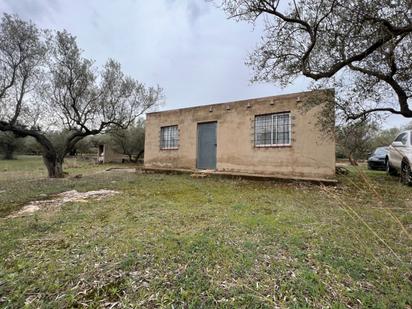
<point x="122" y="145"/>
<point x="106" y="154"/>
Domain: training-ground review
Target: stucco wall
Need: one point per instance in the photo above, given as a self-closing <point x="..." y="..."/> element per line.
<point x="312" y="153"/>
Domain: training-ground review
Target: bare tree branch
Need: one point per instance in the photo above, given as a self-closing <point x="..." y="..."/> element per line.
<point x="353" y="43"/>
<point x="71" y="96"/>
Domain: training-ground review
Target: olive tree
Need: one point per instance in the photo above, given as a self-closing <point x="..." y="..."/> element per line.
<point x="362" y="48"/>
<point x="47" y="85"/>
<point x="129" y="141"/>
<point x="355" y="139"/>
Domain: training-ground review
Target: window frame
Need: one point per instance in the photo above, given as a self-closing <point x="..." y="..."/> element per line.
<point x="274" y="115"/>
<point x="403" y="137"/>
<point x="163" y="142"/>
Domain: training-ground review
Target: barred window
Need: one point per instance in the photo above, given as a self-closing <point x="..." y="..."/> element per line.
<point x="169" y="137"/>
<point x="273" y="130"/>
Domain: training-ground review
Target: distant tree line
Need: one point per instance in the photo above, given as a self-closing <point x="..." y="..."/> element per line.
<point x="129" y="141"/>
<point x="353" y="141"/>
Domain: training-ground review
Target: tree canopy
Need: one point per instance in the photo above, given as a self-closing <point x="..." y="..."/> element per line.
<point x="46" y="84"/>
<point x="129" y="141"/>
<point x="362" y="48"/>
<point x="9" y="144"/>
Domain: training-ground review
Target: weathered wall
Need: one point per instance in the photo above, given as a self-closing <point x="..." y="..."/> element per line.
<point x="109" y="155"/>
<point x="312" y="153"/>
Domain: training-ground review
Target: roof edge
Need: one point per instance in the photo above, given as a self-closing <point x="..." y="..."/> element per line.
<point x="290" y="95"/>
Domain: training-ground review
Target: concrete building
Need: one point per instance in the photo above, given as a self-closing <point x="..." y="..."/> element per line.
<point x="106" y="154"/>
<point x="268" y="136"/>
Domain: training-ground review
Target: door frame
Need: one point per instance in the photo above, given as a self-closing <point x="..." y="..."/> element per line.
<point x="198" y="140"/>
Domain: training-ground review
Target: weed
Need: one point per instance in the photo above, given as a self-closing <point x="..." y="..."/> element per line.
<point x="171" y="240"/>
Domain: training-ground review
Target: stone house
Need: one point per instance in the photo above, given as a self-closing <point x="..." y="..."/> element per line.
<point x="270" y="137"/>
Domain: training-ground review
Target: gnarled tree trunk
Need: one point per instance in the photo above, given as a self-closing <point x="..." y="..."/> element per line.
<point x="352" y="160"/>
<point x="54" y="165"/>
<point x="8" y="150"/>
<point x="141" y="152"/>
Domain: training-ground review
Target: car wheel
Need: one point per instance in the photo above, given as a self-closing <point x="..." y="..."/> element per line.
<point x="406" y="174"/>
<point x="389" y="169"/>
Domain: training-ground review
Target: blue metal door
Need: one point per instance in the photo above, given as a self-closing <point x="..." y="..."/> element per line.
<point x="206" y="145"/>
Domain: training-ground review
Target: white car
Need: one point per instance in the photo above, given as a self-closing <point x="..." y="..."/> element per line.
<point x="399" y="158"/>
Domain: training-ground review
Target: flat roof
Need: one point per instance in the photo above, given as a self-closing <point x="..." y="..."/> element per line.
<point x="288" y="95"/>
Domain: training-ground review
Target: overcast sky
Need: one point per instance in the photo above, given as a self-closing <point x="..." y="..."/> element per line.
<point x="188" y="47"/>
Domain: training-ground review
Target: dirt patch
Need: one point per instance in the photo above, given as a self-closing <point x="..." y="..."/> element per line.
<point x="61" y="199"/>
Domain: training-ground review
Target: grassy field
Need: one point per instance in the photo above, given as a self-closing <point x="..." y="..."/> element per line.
<point x="173" y="241"/>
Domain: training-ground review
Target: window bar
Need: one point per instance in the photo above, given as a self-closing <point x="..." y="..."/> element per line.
<point x="256" y="129"/>
<point x="271" y="132"/>
<point x="290" y="130"/>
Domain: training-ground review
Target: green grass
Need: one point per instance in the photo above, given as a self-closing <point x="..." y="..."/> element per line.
<point x="174" y="240"/>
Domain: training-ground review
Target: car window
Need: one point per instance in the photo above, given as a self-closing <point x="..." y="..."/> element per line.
<point x="380" y="152"/>
<point x="403" y="138"/>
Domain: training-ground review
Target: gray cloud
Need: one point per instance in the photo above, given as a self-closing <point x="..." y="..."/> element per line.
<point x="31" y="9"/>
<point x="196" y="9"/>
